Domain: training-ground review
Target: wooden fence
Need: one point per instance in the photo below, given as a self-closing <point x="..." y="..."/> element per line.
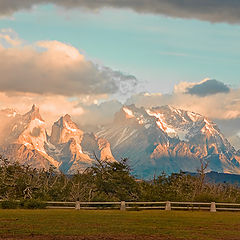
<point x="167" y="206"/>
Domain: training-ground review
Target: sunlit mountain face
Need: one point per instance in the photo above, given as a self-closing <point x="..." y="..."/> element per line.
<point x="67" y="148"/>
<point x="168" y="139"/>
<point x="154" y="140"/>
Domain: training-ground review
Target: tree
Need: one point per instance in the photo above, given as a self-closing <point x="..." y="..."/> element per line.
<point x="114" y="181"/>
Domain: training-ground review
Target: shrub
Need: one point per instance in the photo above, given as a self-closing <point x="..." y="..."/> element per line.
<point x="206" y="197"/>
<point x="7" y="204"/>
<point x="32" y="204"/>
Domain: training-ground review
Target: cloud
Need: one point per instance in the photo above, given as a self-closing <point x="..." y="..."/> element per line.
<point x="224" y="105"/>
<point x="231" y="127"/>
<point x="52" y="67"/>
<point x="85" y="111"/>
<point x="208" y="87"/>
<point x="8" y="37"/>
<point x="207" y="10"/>
<point x="224" y="109"/>
<point x="60" y="80"/>
<point x="98" y="114"/>
<point x="52" y="107"/>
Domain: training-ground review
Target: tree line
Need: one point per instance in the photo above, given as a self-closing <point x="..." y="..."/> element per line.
<point x="108" y="181"/>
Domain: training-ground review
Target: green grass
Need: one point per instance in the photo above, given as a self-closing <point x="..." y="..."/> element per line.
<point x="174" y="224"/>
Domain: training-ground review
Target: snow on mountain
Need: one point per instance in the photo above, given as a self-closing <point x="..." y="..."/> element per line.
<point x="26" y="141"/>
<point x="168" y="139"/>
<point x="66" y="147"/>
<point x="65" y="129"/>
<point x="235" y="140"/>
<point x="155" y="140"/>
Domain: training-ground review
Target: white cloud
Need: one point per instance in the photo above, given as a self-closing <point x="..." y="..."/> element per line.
<point x="9" y="37"/>
<point x="53" y="67"/>
<point x="222" y="105"/>
<point x="51" y="106"/>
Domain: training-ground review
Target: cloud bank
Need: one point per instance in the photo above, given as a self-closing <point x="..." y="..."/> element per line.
<point x="52" y="67"/>
<point x="207" y="10"/>
<point x="211" y="98"/>
<point x="219" y="103"/>
<point x="59" y="79"/>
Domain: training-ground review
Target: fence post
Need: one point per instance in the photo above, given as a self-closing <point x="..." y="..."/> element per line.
<point x="168" y="206"/>
<point x="213" y="207"/>
<point x="77" y="205"/>
<point x="123" y="206"/>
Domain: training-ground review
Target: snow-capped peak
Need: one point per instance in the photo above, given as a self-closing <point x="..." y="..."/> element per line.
<point x="65" y="129"/>
<point x="67" y="118"/>
<point x="164" y="138"/>
<point x="194" y="116"/>
<point x="176" y="123"/>
<point x="208" y="127"/>
<point x="29" y="130"/>
<point x="129" y="112"/>
<point x="69" y="124"/>
<point x="34" y="113"/>
<point x="161" y="122"/>
<point x="27" y="126"/>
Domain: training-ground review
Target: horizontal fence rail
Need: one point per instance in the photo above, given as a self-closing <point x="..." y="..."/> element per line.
<point x="167" y="206"/>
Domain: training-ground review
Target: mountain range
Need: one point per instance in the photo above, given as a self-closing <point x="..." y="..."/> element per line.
<point x="154" y="140"/>
<point x="68" y="149"/>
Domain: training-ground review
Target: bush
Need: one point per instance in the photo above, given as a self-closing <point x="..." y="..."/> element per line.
<point x="32" y="204"/>
<point x="9" y="204"/>
<point x="206" y="197"/>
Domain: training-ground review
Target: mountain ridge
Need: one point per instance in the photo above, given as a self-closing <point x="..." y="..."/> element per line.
<point x="154" y="139"/>
<point x="28" y="143"/>
<point x="168" y="139"/>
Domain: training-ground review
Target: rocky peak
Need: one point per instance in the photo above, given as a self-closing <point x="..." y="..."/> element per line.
<point x="64" y="120"/>
<point x="169" y="139"/>
<point x="130" y="115"/>
<point x="67" y="118"/>
<point x="105" y="150"/>
<point x="33" y="114"/>
<point x="24" y="128"/>
<point x="65" y="129"/>
<point x="26" y="141"/>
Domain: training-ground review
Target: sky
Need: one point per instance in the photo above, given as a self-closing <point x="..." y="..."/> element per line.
<point x="87" y="58"/>
<point x="158" y="50"/>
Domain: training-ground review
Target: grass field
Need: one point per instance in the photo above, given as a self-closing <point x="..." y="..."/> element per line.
<point x="113" y="224"/>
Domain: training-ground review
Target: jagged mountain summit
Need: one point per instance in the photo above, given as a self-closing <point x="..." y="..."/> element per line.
<point x="168" y="139"/>
<point x="155" y="140"/>
<point x="26" y="141"/>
